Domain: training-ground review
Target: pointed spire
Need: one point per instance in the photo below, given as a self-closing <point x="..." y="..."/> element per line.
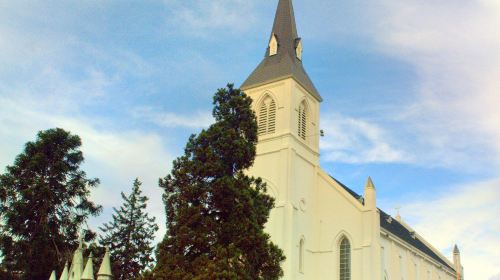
<point x="88" y="273"/>
<point x="80" y="239"/>
<point x="105" y="269"/>
<point x="75" y="272"/>
<point x="370" y="195"/>
<point x="458" y="263"/>
<point x="369" y="183"/>
<point x="64" y="274"/>
<point x="286" y="62"/>
<point x="53" y="275"/>
<point x="284" y="26"/>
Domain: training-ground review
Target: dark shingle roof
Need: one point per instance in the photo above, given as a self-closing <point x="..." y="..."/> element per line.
<point x="285" y="63"/>
<point x="406" y="235"/>
<point x="351" y="192"/>
<point x="402" y="232"/>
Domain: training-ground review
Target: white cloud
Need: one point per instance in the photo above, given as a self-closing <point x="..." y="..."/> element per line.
<point x="353" y="140"/>
<point x="49" y="78"/>
<point x="453" y="46"/>
<point x="116" y="157"/>
<point x="496" y="277"/>
<point x="202" y="17"/>
<point x="174" y="120"/>
<point x="449" y="117"/>
<point x="466" y="215"/>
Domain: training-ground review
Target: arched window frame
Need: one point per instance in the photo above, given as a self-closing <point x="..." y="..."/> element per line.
<point x="302" y="244"/>
<point x="266" y="115"/>
<point x="302" y="120"/>
<point x="345" y="259"/>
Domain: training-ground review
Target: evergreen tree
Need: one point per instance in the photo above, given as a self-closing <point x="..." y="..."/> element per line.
<point x="130" y="235"/>
<point x="215" y="213"/>
<point x="44" y="200"/>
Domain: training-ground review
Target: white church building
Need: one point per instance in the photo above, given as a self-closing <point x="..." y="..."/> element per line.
<point x="326" y="230"/>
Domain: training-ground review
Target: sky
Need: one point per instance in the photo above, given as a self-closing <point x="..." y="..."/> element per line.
<point x="411" y="95"/>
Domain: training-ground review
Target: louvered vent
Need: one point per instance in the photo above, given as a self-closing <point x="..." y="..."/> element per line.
<point x="302" y="121"/>
<point x="262" y="119"/>
<point x="267" y="116"/>
<point x="271" y="128"/>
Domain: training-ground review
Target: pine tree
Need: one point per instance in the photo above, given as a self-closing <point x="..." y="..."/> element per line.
<point x="130" y="235"/>
<point x="215" y="213"/>
<point x="44" y="200"/>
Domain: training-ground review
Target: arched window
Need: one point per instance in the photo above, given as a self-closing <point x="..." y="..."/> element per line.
<point x="301" y="255"/>
<point x="345" y="260"/>
<point x="267" y="116"/>
<point x="302" y="120"/>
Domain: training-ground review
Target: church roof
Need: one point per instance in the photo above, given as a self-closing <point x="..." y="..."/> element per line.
<point x="396" y="228"/>
<point x="399" y="230"/>
<point x="285" y="63"/>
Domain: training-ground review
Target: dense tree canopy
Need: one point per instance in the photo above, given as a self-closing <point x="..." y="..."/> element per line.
<point x="130" y="235"/>
<point x="215" y="212"/>
<point x="44" y="200"/>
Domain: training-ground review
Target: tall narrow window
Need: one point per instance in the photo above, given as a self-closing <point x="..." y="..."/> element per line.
<point x="345" y="259"/>
<point x="401" y="267"/>
<point x="417" y="274"/>
<point x="382" y="261"/>
<point x="267" y="116"/>
<point x="301" y="256"/>
<point x="302" y="120"/>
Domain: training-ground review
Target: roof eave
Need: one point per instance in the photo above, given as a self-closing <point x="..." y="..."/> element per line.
<point x="246" y="86"/>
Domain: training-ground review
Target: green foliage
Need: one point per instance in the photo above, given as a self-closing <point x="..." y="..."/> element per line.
<point x="44" y="200"/>
<point x="215" y="213"/>
<point x="130" y="235"/>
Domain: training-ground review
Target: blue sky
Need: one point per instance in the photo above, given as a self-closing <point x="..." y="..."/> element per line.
<point x="411" y="94"/>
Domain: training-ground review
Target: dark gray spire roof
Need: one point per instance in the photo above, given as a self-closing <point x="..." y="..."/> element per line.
<point x="285" y="63"/>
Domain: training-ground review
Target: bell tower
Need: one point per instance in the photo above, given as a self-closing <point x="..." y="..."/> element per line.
<point x="285" y="100"/>
<point x="287" y="105"/>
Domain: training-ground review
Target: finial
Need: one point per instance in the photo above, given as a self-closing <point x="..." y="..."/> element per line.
<point x="455" y="250"/>
<point x="398" y="215"/>
<point x="369" y="183"/>
<point x="80" y="239"/>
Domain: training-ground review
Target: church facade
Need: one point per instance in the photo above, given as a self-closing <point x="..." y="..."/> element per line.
<point x="326" y="230"/>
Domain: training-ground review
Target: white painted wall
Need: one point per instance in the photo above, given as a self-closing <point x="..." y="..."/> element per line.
<point x="312" y="206"/>
<point x="414" y="266"/>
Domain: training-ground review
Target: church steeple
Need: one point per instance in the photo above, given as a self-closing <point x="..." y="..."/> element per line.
<point x="283" y="58"/>
<point x="284" y="27"/>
